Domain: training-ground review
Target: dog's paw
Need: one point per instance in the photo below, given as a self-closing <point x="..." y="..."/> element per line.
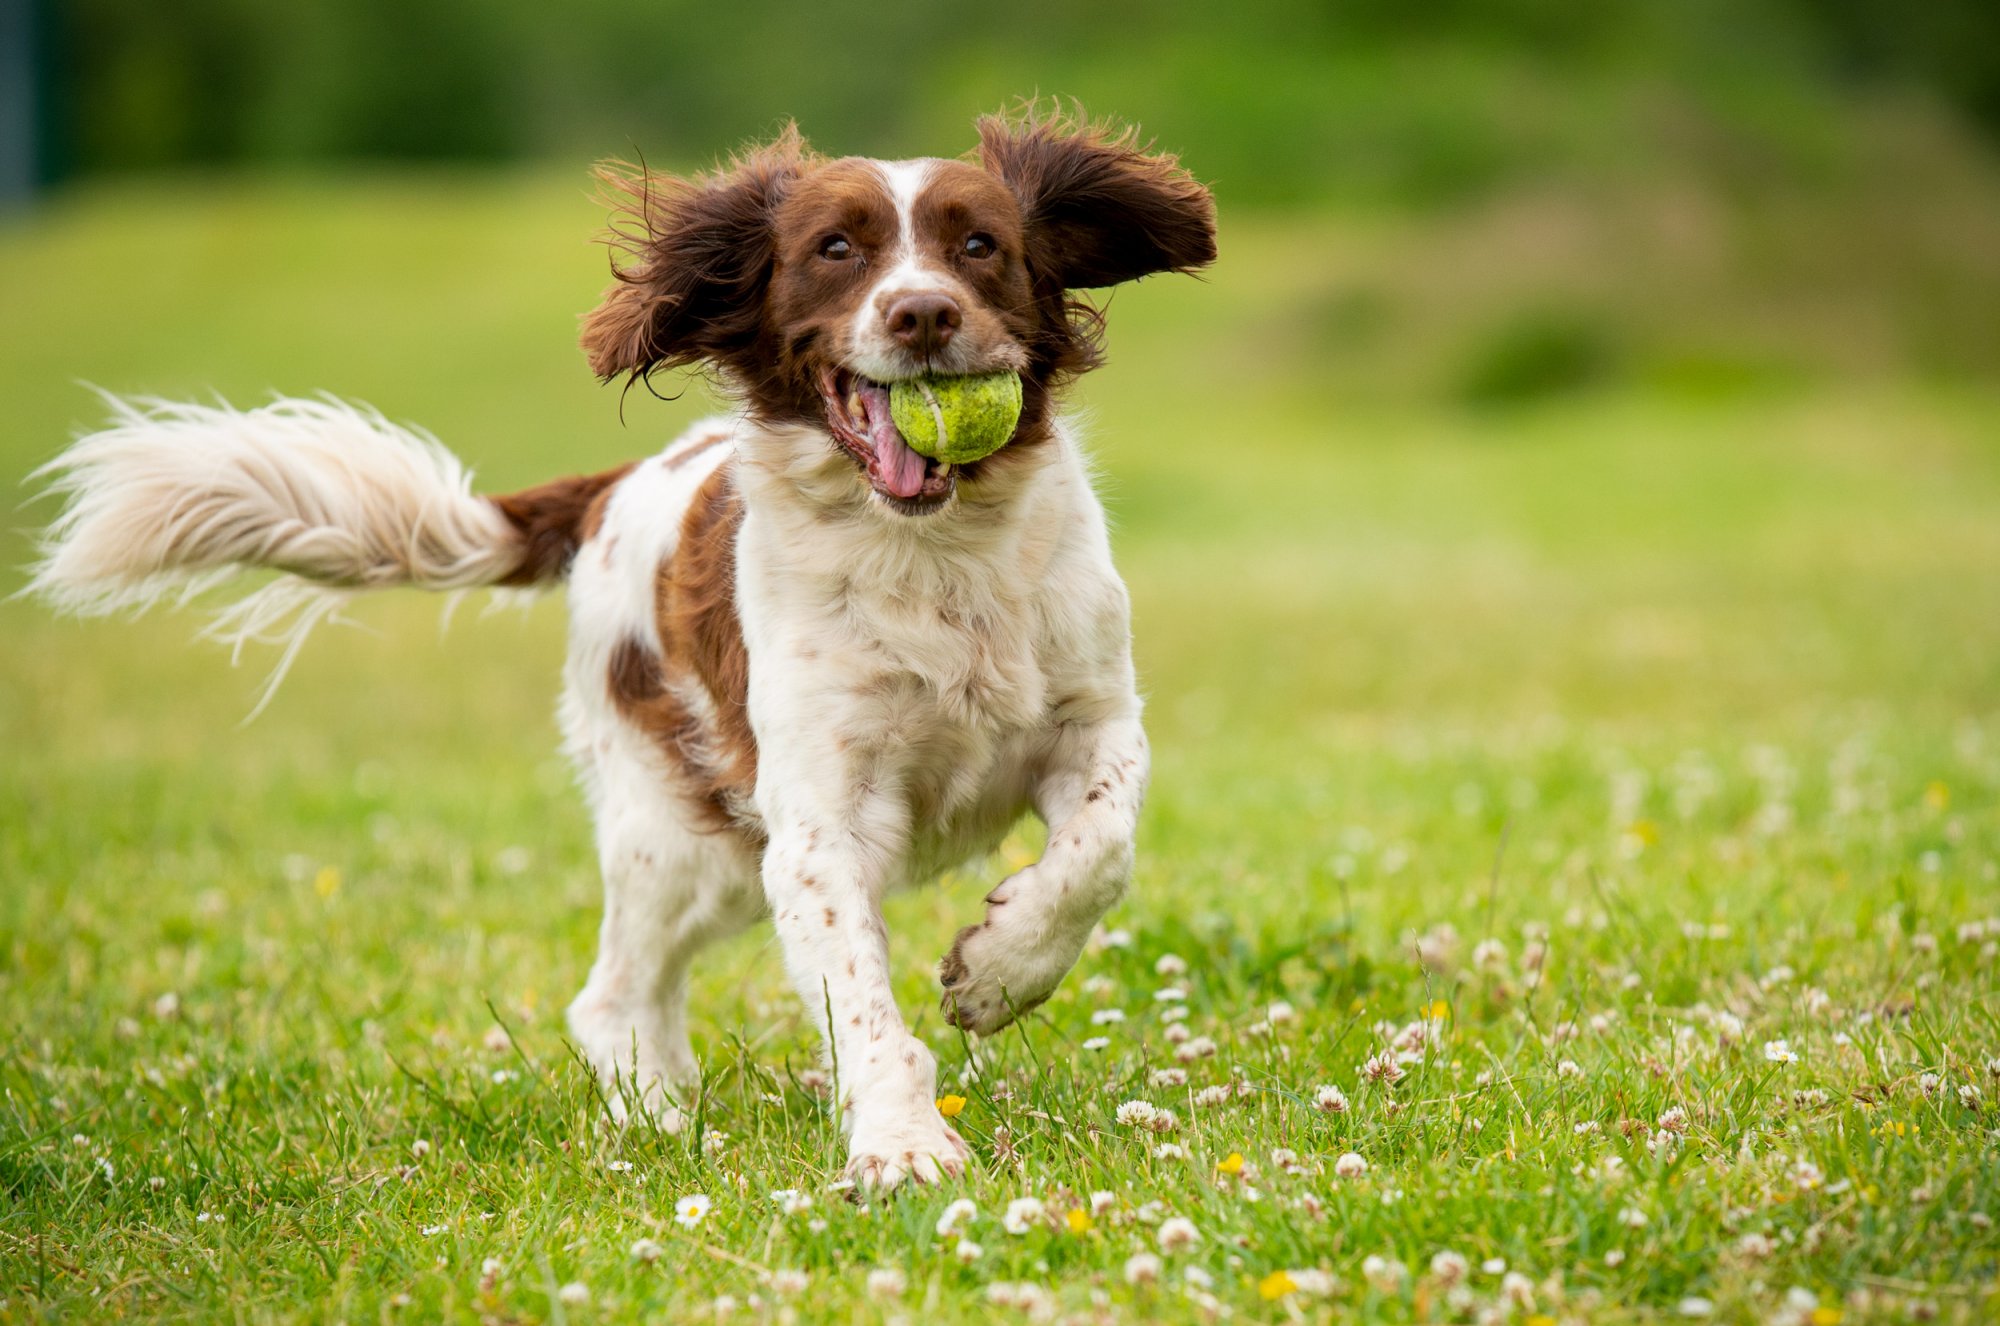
<point x="1007" y="965"/>
<point x="916" y="1150"/>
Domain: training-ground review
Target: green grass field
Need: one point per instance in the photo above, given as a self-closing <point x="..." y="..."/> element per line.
<point x="1619" y="757"/>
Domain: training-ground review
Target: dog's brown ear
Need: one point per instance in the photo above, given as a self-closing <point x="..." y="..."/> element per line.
<point x="1098" y="207"/>
<point x="691" y="259"/>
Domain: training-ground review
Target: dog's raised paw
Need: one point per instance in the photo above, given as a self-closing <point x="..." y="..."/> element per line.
<point x="977" y="997"/>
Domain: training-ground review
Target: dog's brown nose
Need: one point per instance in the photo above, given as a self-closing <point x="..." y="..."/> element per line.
<point x="925" y="323"/>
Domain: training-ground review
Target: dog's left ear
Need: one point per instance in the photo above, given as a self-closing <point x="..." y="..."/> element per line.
<point x="691" y="258"/>
<point x="1097" y="207"/>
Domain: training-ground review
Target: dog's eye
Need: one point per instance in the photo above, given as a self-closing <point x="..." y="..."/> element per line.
<point x="979" y="246"/>
<point x="835" y="248"/>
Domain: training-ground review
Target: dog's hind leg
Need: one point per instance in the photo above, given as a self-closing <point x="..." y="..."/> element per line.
<point x="1038" y="919"/>
<point x="669" y="890"/>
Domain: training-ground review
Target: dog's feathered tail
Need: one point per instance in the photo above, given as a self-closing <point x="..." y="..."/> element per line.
<point x="173" y="499"/>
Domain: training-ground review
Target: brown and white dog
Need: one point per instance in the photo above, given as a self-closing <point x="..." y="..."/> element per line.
<point x="806" y="666"/>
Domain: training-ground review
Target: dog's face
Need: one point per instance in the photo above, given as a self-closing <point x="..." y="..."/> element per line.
<point x="812" y="284"/>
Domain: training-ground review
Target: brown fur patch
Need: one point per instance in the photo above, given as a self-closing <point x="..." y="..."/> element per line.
<point x="701" y="643"/>
<point x="554" y="518"/>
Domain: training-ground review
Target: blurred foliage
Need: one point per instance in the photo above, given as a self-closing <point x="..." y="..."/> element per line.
<point x="1281" y="100"/>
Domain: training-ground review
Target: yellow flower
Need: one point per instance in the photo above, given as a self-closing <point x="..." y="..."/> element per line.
<point x="1826" y="1316"/>
<point x="1275" y="1285"/>
<point x="1078" y="1221"/>
<point x="1540" y="1319"/>
<point x="1937" y="796"/>
<point x="327" y="882"/>
<point x="1645" y="831"/>
<point x="951" y="1106"/>
<point x="1233" y="1164"/>
<point x="1438" y="1011"/>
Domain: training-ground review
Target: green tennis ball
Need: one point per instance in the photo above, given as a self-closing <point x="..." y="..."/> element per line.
<point x="956" y="420"/>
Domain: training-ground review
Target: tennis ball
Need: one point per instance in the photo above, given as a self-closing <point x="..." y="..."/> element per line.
<point x="956" y="420"/>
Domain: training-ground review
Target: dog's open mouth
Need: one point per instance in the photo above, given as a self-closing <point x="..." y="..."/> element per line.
<point x="857" y="413"/>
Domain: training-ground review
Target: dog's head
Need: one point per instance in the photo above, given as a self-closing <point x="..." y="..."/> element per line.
<point x="812" y="283"/>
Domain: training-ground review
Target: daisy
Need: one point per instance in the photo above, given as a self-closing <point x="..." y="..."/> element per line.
<point x="692" y="1209"/>
<point x="1780" y="1052"/>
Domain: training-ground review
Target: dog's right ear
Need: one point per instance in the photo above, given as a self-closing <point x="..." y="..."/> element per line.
<point x="691" y="259"/>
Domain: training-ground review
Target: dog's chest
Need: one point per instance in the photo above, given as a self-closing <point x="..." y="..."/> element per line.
<point x="941" y="694"/>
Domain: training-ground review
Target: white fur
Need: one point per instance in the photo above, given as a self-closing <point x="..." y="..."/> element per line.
<point x="916" y="685"/>
<point x="172" y="499"/>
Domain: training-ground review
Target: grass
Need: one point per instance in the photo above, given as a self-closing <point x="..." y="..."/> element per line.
<point x="1590" y="746"/>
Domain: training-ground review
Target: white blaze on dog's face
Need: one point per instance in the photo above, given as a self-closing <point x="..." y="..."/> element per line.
<point x="813" y="284"/>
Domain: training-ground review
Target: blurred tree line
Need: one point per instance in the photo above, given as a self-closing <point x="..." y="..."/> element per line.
<point x="1275" y="100"/>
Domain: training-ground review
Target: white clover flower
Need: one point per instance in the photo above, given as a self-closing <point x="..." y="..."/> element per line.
<point x="1102" y="1203"/>
<point x="1615" y="1258"/>
<point x="420" y="1148"/>
<point x="1023" y="1214"/>
<point x="1200" y="1047"/>
<point x="1384" y="1273"/>
<point x="1142" y="1268"/>
<point x="968" y="1251"/>
<point x="1137" y="1113"/>
<point x="1494" y="1265"/>
<point x="646" y="1250"/>
<point x="1728" y="1027"/>
<point x="1780" y="1052"/>
<point x="1164" y="1121"/>
<point x="575" y="1294"/>
<point x="1488" y="954"/>
<point x="956" y="1215"/>
<point x="692" y="1209"/>
<point x="1330" y="1100"/>
<point x="1382" y="1068"/>
<point x="1175" y="1013"/>
<point x="1674" y="1119"/>
<point x="1519" y="1290"/>
<point x="1449" y="1267"/>
<point x="1170" y="1151"/>
<point x="1208" y="1097"/>
<point x="1755" y="1246"/>
<point x="1695" y="1307"/>
<point x="1178" y="1234"/>
<point x="788" y="1281"/>
<point x="791" y="1201"/>
<point x="886" y="1282"/>
<point x="1104" y="1017"/>
<point x="1177" y="1033"/>
<point x="1350" y="1165"/>
<point x="1169" y="994"/>
<point x="1633" y="1218"/>
<point x="1312" y="1280"/>
<point x="1097" y="1043"/>
<point x="1170" y="965"/>
<point x="1569" y="1068"/>
<point x="1280" y="1012"/>
<point x="1169" y="1077"/>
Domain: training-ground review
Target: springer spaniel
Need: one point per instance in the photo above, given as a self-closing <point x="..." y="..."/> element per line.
<point x="806" y="666"/>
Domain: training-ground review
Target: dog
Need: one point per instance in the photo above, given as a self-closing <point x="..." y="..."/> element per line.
<point x="806" y="666"/>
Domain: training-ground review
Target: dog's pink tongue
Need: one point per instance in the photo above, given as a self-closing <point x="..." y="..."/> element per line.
<point x="900" y="469"/>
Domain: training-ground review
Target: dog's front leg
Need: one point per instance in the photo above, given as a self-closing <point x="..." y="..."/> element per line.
<point x="1039" y="918"/>
<point x="825" y="874"/>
